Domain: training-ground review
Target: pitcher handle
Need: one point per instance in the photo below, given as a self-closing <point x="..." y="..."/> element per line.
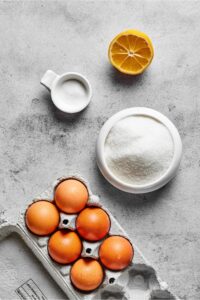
<point x="48" y="79"/>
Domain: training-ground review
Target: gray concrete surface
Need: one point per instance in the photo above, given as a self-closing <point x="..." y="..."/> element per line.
<point x="38" y="144"/>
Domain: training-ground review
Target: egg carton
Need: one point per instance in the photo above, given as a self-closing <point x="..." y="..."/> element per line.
<point x="139" y="281"/>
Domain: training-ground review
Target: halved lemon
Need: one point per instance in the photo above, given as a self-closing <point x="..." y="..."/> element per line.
<point x="131" y="52"/>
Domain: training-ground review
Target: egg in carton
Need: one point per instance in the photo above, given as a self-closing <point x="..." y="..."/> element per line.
<point x="139" y="281"/>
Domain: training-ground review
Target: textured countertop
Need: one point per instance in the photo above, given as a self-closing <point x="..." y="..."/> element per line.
<point x="39" y="144"/>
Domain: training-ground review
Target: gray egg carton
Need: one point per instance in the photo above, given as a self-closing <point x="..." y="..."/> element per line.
<point x="139" y="281"/>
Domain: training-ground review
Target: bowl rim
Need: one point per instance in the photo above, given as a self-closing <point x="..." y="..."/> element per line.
<point x="156" y="184"/>
<point x="68" y="76"/>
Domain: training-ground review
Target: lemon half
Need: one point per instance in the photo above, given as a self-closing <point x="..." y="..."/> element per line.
<point x="131" y="52"/>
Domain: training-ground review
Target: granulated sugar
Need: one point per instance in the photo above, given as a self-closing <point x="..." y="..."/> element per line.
<point x="138" y="150"/>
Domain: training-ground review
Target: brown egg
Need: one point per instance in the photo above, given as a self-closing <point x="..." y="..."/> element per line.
<point x="64" y="246"/>
<point x="93" y="223"/>
<point x="86" y="274"/>
<point x="116" y="253"/>
<point x="71" y="196"/>
<point x="42" y="217"/>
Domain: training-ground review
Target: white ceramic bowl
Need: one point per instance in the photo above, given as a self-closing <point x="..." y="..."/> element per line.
<point x="170" y="172"/>
<point x="54" y="83"/>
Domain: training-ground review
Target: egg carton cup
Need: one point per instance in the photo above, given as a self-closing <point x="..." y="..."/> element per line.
<point x="139" y="281"/>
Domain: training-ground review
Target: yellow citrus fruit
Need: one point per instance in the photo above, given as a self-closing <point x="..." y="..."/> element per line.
<point x="131" y="52"/>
